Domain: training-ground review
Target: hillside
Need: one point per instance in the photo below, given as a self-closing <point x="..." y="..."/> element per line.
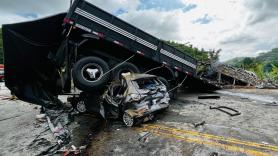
<point x="265" y="65"/>
<point x="235" y="61"/>
<point x="269" y="56"/>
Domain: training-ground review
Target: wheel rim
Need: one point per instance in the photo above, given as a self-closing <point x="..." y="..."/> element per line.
<point x="91" y="72"/>
<point x="81" y="107"/>
<point x="128" y="120"/>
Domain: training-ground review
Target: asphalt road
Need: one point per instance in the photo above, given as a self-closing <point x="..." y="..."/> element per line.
<point x="253" y="132"/>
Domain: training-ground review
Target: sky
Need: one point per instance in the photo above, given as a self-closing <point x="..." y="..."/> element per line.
<point x="239" y="27"/>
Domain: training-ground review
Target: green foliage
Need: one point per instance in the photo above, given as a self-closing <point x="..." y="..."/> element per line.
<point x="200" y="55"/>
<point x="1" y="47"/>
<point x="265" y="65"/>
<point x="274" y="74"/>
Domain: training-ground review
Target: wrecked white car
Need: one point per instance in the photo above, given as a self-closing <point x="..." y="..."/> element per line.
<point x="136" y="98"/>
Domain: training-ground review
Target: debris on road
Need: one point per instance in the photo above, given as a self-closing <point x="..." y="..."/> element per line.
<point x="144" y="136"/>
<point x="222" y="109"/>
<point x="209" y="97"/>
<point x="199" y="124"/>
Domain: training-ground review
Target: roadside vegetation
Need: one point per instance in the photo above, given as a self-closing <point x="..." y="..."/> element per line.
<point x="265" y="65"/>
<point x="200" y="55"/>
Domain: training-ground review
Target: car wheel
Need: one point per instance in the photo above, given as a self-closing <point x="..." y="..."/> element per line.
<point x="88" y="74"/>
<point x="128" y="120"/>
<point x="124" y="68"/>
<point x="81" y="107"/>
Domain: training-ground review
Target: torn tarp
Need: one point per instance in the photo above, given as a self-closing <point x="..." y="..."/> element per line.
<point x="29" y="73"/>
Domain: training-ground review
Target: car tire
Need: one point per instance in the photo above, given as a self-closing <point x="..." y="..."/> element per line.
<point x="125" y="67"/>
<point x="128" y="119"/>
<point x="88" y="73"/>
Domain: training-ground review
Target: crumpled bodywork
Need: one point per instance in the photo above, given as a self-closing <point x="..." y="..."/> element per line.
<point x="138" y="95"/>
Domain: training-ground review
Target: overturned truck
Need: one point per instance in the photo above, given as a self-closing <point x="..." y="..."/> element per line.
<point x="86" y="46"/>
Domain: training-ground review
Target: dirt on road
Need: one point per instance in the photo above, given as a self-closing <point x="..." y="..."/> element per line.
<point x="253" y="132"/>
<point x="188" y="127"/>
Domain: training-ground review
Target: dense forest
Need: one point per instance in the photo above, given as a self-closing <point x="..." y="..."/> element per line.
<point x="265" y="65"/>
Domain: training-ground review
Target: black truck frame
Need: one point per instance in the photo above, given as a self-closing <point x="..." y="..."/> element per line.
<point x="88" y="45"/>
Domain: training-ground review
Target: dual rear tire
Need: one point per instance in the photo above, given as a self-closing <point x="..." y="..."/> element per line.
<point x="92" y="73"/>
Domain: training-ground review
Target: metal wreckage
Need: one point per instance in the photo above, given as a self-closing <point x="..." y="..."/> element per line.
<point x="134" y="99"/>
<point x="102" y="56"/>
<point x="83" y="49"/>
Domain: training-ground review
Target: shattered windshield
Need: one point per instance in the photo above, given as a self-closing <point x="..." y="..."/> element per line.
<point x="146" y="83"/>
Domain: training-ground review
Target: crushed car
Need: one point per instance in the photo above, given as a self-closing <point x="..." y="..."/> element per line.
<point x="133" y="99"/>
<point x="136" y="98"/>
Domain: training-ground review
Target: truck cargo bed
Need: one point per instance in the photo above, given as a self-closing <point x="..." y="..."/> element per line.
<point x="94" y="20"/>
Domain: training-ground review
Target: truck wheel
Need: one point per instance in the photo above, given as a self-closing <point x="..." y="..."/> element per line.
<point x="124" y="68"/>
<point x="165" y="82"/>
<point x="88" y="73"/>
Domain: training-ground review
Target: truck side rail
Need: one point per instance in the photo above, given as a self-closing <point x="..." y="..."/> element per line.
<point x="92" y="19"/>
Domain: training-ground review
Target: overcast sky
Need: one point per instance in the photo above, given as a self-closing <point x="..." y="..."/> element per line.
<point x="238" y="27"/>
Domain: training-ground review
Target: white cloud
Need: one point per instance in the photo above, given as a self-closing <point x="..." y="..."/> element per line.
<point x="238" y="27"/>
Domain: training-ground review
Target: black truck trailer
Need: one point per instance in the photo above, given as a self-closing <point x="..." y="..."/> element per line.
<point x="86" y="46"/>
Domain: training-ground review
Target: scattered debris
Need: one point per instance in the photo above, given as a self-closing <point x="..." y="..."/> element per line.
<point x="222" y="109"/>
<point x="238" y="74"/>
<point x="41" y="117"/>
<point x="144" y="136"/>
<point x="214" y="154"/>
<point x="267" y="85"/>
<point x="271" y="104"/>
<point x="199" y="124"/>
<point x="209" y="97"/>
<point x="72" y="150"/>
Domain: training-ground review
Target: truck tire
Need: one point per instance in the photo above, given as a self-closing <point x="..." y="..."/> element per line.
<point x="165" y="82"/>
<point x="125" y="67"/>
<point x="88" y="73"/>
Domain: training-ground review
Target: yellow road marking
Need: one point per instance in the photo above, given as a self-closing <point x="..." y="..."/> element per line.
<point x="215" y="137"/>
<point x="212" y="140"/>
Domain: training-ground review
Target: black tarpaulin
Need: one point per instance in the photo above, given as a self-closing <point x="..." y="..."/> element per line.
<point x="29" y="73"/>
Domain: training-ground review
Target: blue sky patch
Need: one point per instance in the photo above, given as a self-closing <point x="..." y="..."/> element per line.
<point x="119" y="12"/>
<point x="203" y="20"/>
<point x="165" y="5"/>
